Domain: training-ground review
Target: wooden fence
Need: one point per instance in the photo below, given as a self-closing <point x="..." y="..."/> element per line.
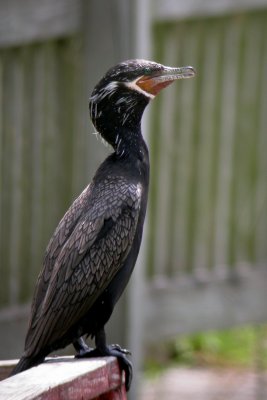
<point x="205" y="252"/>
<point x="208" y="192"/>
<point x="48" y="154"/>
<point x="203" y="259"/>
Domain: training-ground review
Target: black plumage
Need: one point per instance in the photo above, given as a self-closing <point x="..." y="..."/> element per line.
<point x="92" y="253"/>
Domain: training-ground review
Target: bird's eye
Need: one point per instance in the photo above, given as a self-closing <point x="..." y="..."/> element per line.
<point x="146" y="70"/>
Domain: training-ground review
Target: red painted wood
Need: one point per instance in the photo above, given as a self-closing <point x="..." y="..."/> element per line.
<point x="117" y="394"/>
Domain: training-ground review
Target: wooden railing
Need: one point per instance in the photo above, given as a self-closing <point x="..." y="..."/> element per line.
<point x="64" y="379"/>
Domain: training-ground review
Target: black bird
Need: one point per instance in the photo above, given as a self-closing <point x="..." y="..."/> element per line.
<point x="92" y="253"/>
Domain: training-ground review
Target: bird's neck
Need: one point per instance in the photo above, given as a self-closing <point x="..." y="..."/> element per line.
<point x="118" y="120"/>
<point x="128" y="141"/>
<point x="132" y="163"/>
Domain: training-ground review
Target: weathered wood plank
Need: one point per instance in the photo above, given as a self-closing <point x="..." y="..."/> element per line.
<point x="6" y="367"/>
<point x="164" y="179"/>
<point x="190" y="306"/>
<point x="25" y="55"/>
<point x="2" y="295"/>
<point x="206" y="166"/>
<point x="193" y="55"/>
<point x="242" y="235"/>
<point x="261" y="191"/>
<point x="186" y="132"/>
<point x="227" y="129"/>
<point x="179" y="9"/>
<point x="29" y="20"/>
<point x="65" y="378"/>
<point x="16" y="110"/>
<point x="37" y="123"/>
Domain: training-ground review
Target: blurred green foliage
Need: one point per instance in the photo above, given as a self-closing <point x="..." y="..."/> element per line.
<point x="244" y="347"/>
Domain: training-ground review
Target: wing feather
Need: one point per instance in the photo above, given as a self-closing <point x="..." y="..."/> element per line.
<point x="81" y="265"/>
<point x="61" y="234"/>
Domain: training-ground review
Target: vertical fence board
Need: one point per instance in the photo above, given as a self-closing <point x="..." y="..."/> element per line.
<point x="27" y="135"/>
<point x="6" y="183"/>
<point x="227" y="132"/>
<point x="164" y="133"/>
<point x="173" y="205"/>
<point x="185" y="147"/>
<point x="15" y="115"/>
<point x="261" y="191"/>
<point x="2" y="295"/>
<point x="195" y="57"/>
<point x="207" y="148"/>
<point x="51" y="161"/>
<point x="242" y="219"/>
<point x="155" y="166"/>
<point x="38" y="117"/>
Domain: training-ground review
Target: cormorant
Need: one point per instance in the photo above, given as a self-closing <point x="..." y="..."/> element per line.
<point x="92" y="252"/>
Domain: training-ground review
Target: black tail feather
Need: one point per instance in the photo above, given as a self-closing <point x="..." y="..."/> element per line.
<point x="25" y="363"/>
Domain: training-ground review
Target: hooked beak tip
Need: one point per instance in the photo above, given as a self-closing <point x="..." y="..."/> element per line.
<point x="180" y="72"/>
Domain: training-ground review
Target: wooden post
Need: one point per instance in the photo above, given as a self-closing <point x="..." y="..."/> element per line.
<point x="65" y="378"/>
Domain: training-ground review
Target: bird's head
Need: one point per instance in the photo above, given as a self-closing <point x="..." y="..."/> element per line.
<point x="120" y="97"/>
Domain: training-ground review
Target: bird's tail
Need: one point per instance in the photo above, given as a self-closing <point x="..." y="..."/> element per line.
<point x="25" y="363"/>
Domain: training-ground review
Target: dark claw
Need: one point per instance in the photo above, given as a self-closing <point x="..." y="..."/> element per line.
<point x="125" y="364"/>
<point x="116" y="351"/>
<point x="120" y="349"/>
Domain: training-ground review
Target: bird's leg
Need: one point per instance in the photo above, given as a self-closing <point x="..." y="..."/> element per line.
<point x="100" y="342"/>
<point x="116" y="351"/>
<point x="81" y="347"/>
<point x="102" y="350"/>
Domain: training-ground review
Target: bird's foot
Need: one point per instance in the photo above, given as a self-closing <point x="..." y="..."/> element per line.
<point x="81" y="347"/>
<point x="114" y="350"/>
<point x="84" y="352"/>
<point x="125" y="365"/>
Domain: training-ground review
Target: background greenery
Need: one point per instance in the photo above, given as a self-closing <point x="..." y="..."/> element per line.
<point x="240" y="348"/>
